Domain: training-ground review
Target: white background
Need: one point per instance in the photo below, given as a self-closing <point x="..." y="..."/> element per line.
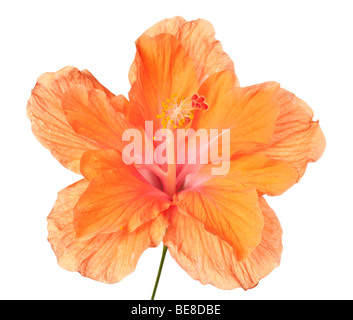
<point x="304" y="45"/>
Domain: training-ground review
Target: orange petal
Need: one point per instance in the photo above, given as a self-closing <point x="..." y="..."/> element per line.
<point x="107" y="258"/>
<point x="96" y="162"/>
<point x="226" y="210"/>
<point x="207" y="258"/>
<point x="267" y="255"/>
<point x="268" y="176"/>
<point x="197" y="38"/>
<point x="48" y="120"/>
<point x="250" y="113"/>
<point x="297" y="139"/>
<point x="117" y="200"/>
<point x="163" y="70"/>
<point x="120" y="103"/>
<point x="91" y="115"/>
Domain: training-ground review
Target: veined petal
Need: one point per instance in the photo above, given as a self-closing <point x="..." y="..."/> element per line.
<point x="120" y="103"/>
<point x="297" y="138"/>
<point x="107" y="258"/>
<point x="250" y="113"/>
<point x="95" y="162"/>
<point x="197" y="38"/>
<point x="163" y="70"/>
<point x="48" y="120"/>
<point x="268" y="176"/>
<point x="267" y="255"/>
<point x="207" y="258"/>
<point x="117" y="200"/>
<point x="91" y="115"/>
<point x="227" y="210"/>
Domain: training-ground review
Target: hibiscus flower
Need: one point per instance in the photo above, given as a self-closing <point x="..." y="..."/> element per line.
<point x="218" y="228"/>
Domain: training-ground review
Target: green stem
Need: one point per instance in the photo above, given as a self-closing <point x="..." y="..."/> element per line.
<point x="159" y="271"/>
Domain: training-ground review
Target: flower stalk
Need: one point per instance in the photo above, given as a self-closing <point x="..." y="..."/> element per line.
<point x="165" y="249"/>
